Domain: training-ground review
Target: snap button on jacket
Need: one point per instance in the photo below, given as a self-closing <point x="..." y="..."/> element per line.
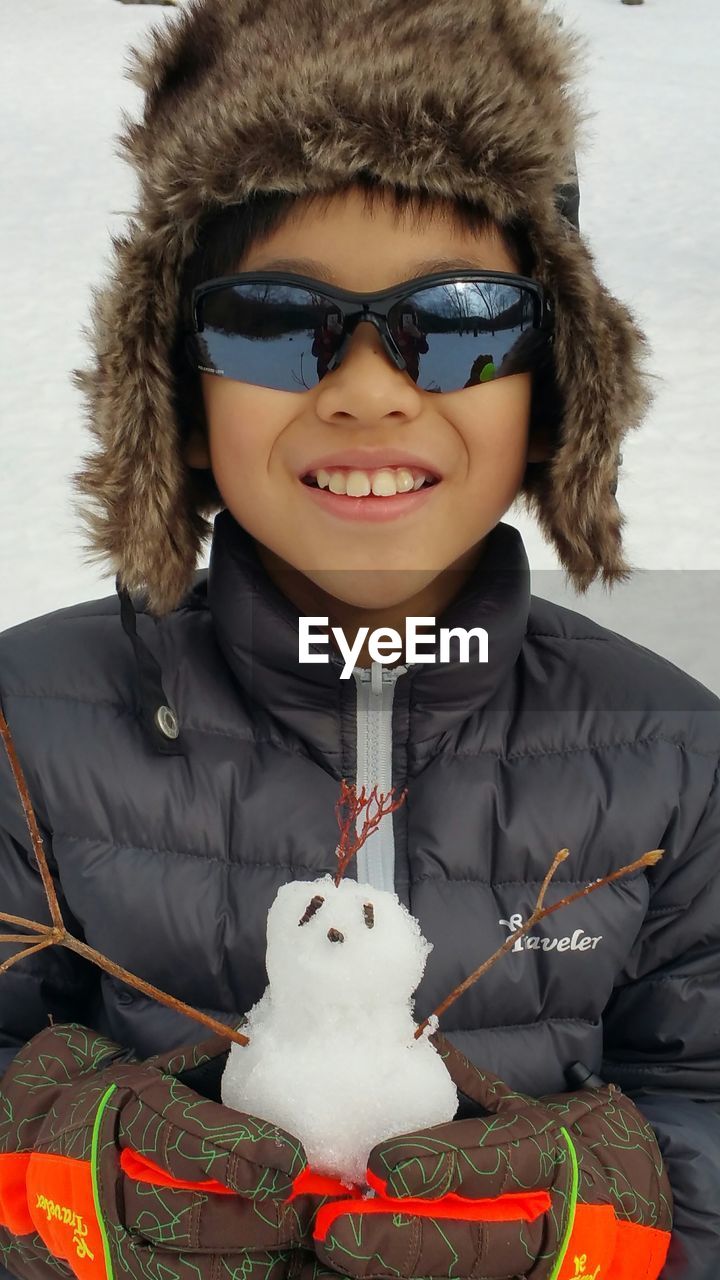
<point x="570" y="736"/>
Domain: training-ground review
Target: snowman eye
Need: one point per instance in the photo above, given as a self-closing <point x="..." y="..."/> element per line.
<point x="311" y="909"/>
<point x="369" y="914"/>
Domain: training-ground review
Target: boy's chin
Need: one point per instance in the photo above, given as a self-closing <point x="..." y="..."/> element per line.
<point x="373" y="588"/>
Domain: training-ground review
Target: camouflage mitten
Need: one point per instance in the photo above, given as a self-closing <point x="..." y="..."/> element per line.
<point x="113" y="1167"/>
<point x="566" y="1187"/>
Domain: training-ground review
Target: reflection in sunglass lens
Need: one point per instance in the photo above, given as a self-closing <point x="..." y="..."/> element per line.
<point x="273" y="335"/>
<point x="451" y="336"/>
<point x="467" y="332"/>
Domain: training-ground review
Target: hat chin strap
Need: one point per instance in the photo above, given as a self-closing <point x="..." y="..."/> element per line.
<point x="158" y="718"/>
<point x="567" y="198"/>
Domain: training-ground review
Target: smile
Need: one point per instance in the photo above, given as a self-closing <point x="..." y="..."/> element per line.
<point x="385" y="482"/>
<point x="371" y="507"/>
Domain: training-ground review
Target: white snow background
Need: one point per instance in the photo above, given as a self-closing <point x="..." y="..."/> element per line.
<point x="650" y="209"/>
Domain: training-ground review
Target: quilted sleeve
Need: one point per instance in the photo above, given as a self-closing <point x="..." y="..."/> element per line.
<point x="662" y="1026"/>
<point x="53" y="981"/>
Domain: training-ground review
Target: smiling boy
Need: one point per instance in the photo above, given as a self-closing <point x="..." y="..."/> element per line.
<point x="184" y="764"/>
<point x="383" y="559"/>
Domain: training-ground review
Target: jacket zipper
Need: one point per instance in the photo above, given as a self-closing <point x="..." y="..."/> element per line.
<point x="375" y="691"/>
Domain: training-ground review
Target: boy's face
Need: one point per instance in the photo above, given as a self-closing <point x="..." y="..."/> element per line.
<point x="262" y="442"/>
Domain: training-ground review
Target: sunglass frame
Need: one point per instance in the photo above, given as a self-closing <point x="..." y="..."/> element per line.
<point x="375" y="307"/>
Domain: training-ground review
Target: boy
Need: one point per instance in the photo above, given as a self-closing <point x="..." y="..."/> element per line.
<point x="362" y="471"/>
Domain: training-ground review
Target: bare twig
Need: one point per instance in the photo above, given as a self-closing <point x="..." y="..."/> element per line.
<point x="57" y="934"/>
<point x="539" y="913"/>
<point x="560" y="856"/>
<point x="31" y="820"/>
<point x="20" y="955"/>
<point x="349" y="798"/>
<point x="29" y="924"/>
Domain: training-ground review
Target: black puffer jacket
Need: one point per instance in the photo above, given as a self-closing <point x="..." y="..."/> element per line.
<point x="168" y="852"/>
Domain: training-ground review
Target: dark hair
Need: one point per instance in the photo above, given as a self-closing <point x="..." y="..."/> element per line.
<point x="226" y="235"/>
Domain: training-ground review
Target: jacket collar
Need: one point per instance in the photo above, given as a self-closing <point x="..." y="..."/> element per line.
<point x="257" y="631"/>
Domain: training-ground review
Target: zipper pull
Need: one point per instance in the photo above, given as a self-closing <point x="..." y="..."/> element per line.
<point x="377" y="675"/>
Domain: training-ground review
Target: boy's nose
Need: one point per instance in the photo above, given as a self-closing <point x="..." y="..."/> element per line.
<point x="335" y="935"/>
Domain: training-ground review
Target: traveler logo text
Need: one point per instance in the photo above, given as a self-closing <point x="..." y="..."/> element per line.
<point x="577" y="941"/>
<point x="580" y="1269"/>
<point x="70" y="1219"/>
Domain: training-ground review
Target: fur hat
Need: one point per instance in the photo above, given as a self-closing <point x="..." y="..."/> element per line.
<point x="470" y="99"/>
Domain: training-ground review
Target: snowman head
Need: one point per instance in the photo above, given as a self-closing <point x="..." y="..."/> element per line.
<point x="345" y="943"/>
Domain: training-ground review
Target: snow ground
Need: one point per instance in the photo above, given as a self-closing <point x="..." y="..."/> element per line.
<point x="650" y="177"/>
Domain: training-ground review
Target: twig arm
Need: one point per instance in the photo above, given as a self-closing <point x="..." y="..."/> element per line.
<point x="147" y="988"/>
<point x="560" y="856"/>
<point x="38" y="946"/>
<point x="35" y="837"/>
<point x="25" y="924"/>
<point x="57" y="934"/>
<point x="540" y="913"/>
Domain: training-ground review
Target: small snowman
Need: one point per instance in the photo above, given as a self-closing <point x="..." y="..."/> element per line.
<point x="333" y="1056"/>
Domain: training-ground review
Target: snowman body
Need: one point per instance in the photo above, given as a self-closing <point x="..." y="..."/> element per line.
<point x="332" y="1056"/>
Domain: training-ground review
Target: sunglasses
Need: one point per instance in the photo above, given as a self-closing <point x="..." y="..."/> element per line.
<point x="447" y="331"/>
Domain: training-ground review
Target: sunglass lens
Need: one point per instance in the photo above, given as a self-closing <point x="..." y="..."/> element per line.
<point x="270" y="334"/>
<point x="464" y="333"/>
<point x="451" y="336"/>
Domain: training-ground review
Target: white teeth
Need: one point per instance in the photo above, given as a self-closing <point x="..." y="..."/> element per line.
<point x="358" y="484"/>
<point x="384" y="483"/>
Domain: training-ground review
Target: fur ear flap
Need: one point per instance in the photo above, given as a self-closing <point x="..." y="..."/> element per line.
<point x="599" y="349"/>
<point x="136" y="486"/>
